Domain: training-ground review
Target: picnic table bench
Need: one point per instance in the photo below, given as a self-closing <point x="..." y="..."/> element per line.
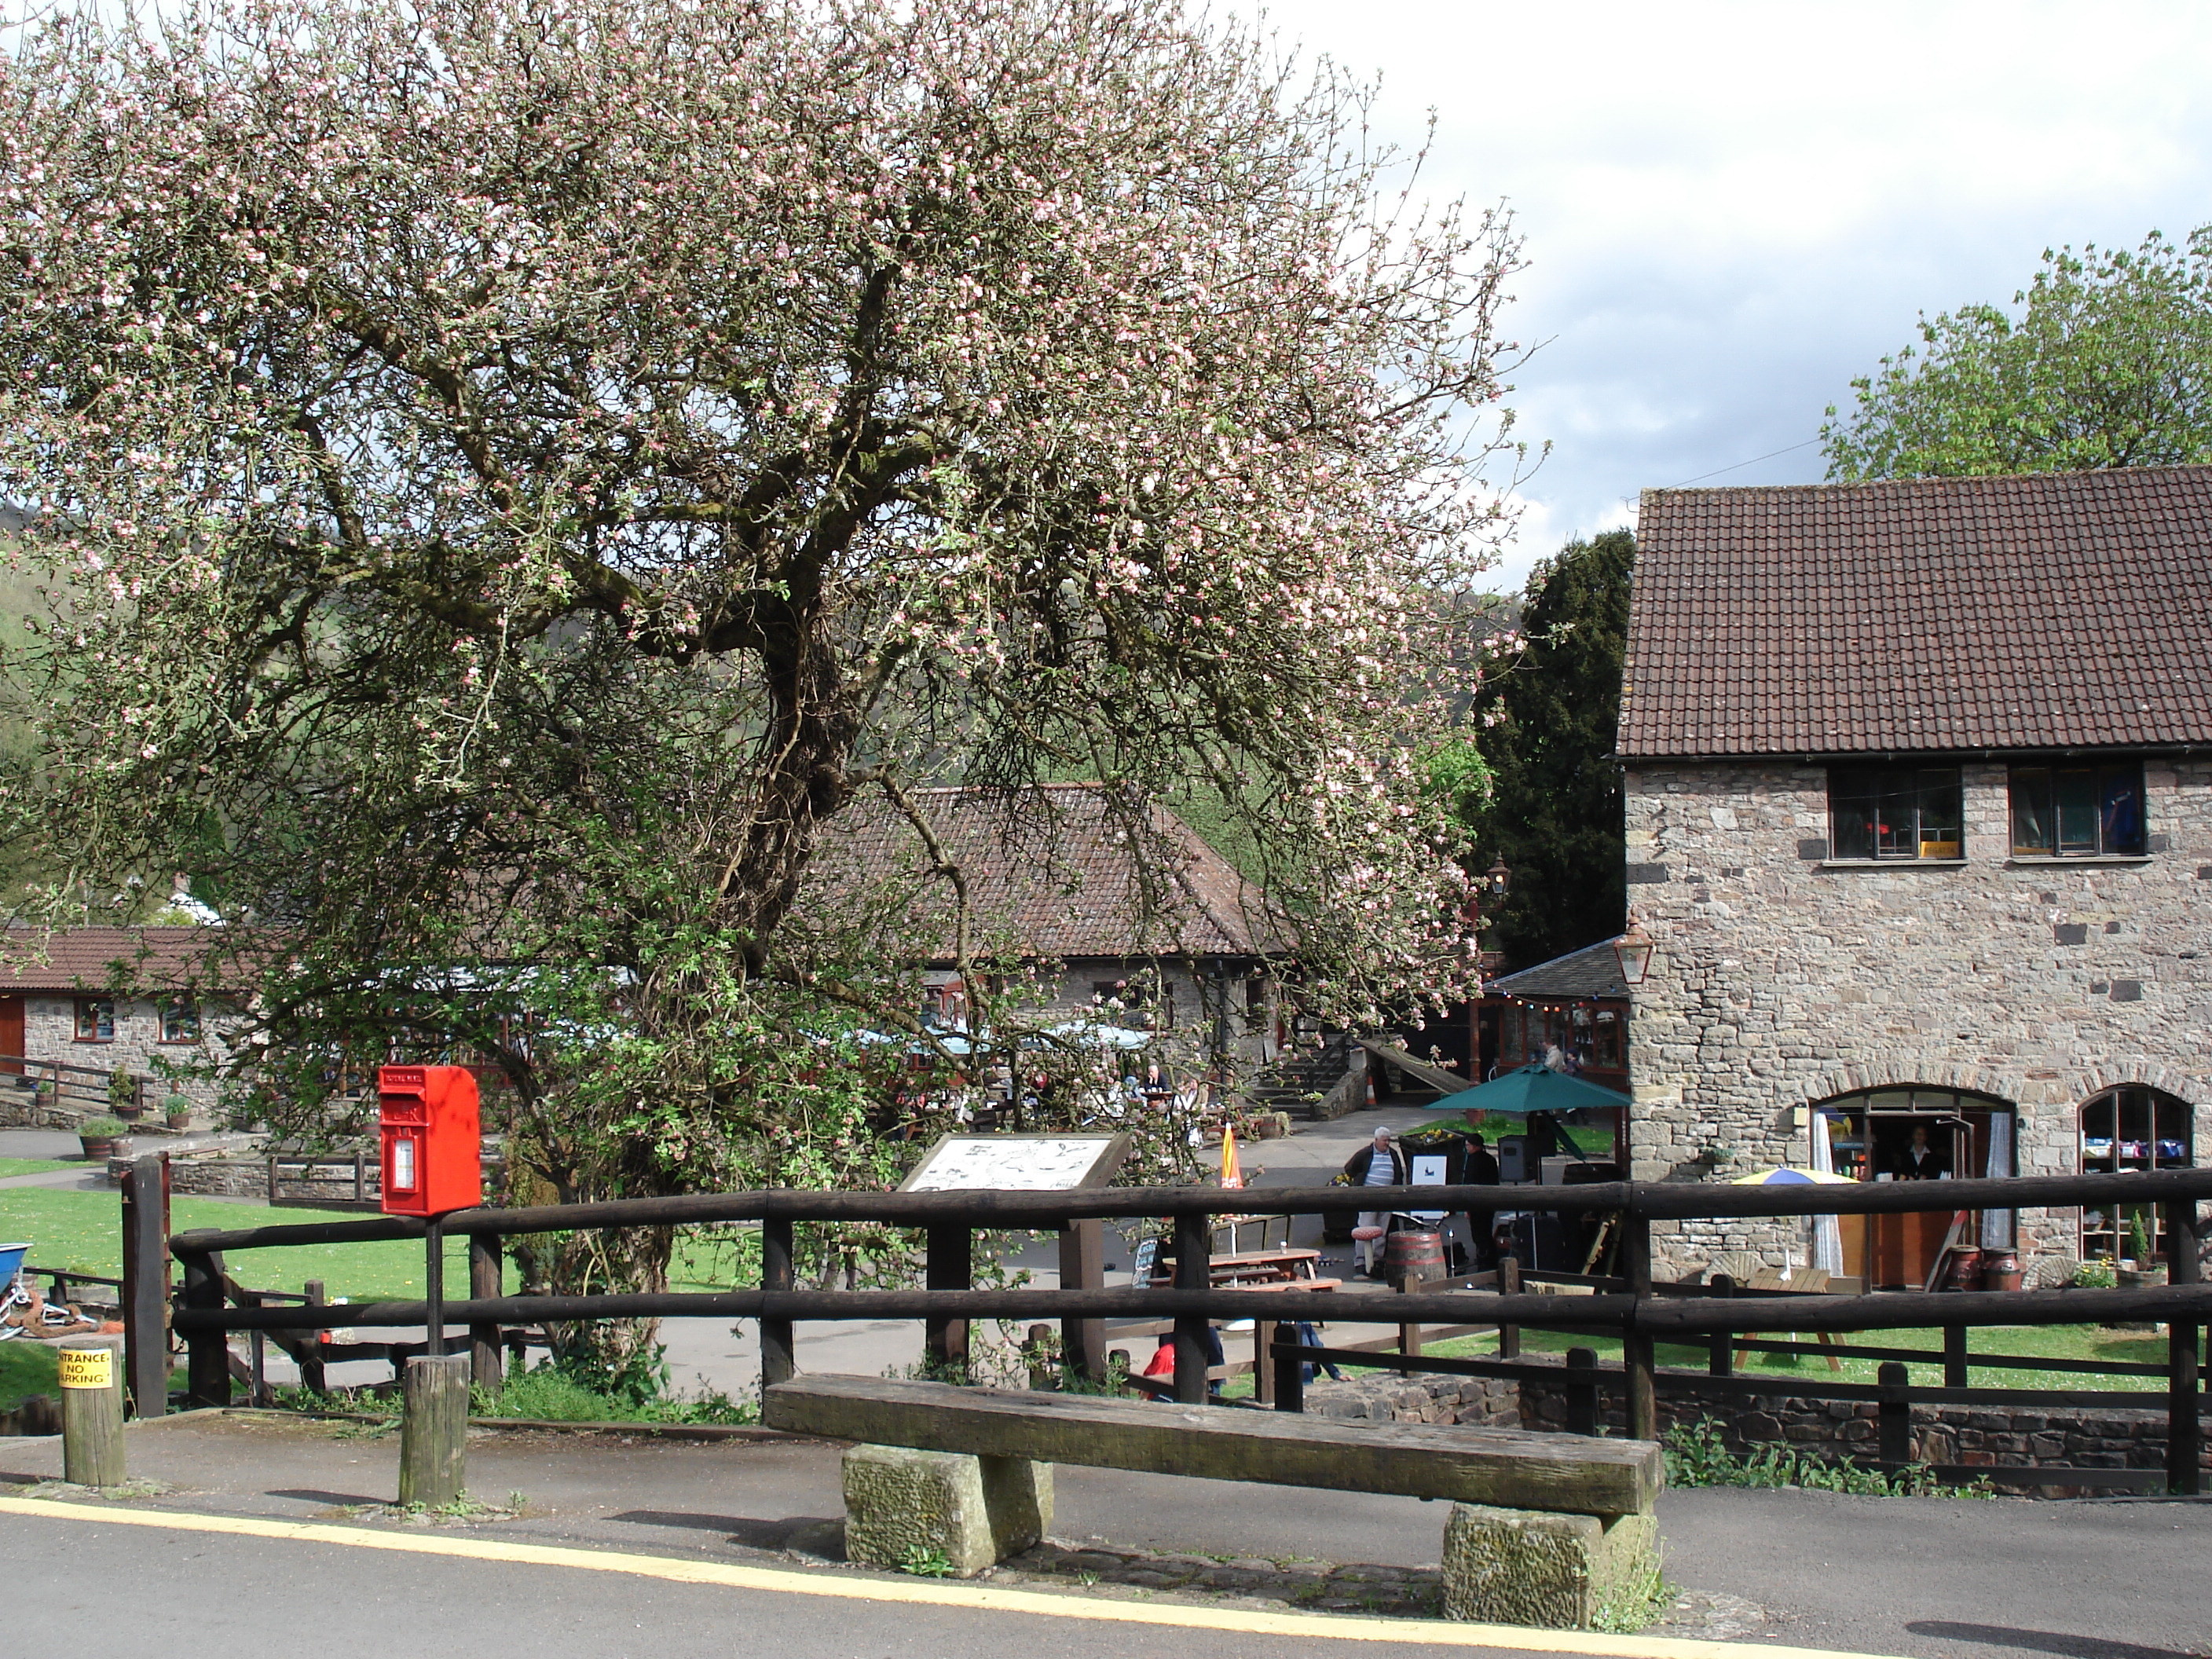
<point x="1543" y="1528"/>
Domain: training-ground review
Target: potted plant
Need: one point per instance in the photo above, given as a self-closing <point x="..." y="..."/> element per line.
<point x="177" y="1109"/>
<point x="101" y="1137"/>
<point x="123" y="1098"/>
<point x="2143" y="1268"/>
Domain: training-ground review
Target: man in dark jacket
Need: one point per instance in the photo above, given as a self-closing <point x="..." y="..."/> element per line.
<point x="1381" y="1163"/>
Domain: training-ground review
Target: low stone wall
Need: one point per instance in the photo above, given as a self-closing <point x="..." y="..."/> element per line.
<point x="1967" y="1435"/>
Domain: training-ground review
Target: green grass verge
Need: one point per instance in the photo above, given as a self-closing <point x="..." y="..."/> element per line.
<point x="26" y="1369"/>
<point x="82" y="1232"/>
<point x="2029" y="1341"/>
<point x="20" y="1166"/>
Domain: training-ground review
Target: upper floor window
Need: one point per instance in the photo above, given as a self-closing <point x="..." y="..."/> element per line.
<point x="2078" y="812"/>
<point x="1894" y="812"/>
<point x="95" y="1019"/>
<point x="181" y="1020"/>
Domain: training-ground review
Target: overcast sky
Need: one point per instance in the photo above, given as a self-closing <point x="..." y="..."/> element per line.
<point x="1730" y="210"/>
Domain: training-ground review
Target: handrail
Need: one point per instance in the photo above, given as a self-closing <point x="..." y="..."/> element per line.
<point x="1028" y="1211"/>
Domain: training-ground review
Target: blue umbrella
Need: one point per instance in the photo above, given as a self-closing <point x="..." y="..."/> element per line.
<point x="1536" y="1088"/>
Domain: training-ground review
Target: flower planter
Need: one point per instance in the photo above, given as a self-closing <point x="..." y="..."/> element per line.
<point x="100" y="1148"/>
<point x="179" y="1122"/>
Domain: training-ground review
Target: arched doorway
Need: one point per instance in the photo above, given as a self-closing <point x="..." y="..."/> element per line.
<point x="2131" y="1127"/>
<point x="1908" y="1131"/>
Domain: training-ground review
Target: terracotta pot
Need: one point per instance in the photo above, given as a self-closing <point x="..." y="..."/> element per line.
<point x="2001" y="1270"/>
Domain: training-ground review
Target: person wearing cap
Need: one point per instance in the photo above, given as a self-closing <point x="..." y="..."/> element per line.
<point x="1381" y="1163"/>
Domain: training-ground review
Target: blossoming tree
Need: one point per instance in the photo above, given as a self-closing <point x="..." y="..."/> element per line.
<point x="507" y="474"/>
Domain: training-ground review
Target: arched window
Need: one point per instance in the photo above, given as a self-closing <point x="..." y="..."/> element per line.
<point x="2131" y="1127"/>
<point x="1909" y="1133"/>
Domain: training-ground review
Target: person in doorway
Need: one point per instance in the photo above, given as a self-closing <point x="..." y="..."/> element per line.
<point x="1381" y="1163"/>
<point x="1482" y="1172"/>
<point x="1921" y="1160"/>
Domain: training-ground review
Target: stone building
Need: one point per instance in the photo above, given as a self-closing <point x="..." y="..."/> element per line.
<point x="1101" y="910"/>
<point x="98" y="1000"/>
<point x="1919" y="814"/>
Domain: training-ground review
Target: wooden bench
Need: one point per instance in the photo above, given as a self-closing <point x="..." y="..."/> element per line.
<point x="1544" y="1527"/>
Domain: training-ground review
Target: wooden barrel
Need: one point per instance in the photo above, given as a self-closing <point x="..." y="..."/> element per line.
<point x="2000" y="1270"/>
<point x="1418" y="1253"/>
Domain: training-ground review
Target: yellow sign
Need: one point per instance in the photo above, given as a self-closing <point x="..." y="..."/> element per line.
<point x="88" y="1368"/>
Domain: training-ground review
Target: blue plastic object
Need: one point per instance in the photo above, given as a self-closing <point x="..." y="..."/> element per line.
<point x="11" y="1262"/>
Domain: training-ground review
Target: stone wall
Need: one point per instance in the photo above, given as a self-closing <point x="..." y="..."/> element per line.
<point x="1829" y="1429"/>
<point x="50" y="1033"/>
<point x="1782" y="978"/>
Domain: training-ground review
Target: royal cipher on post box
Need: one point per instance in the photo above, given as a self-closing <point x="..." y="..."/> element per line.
<point x="432" y="1143"/>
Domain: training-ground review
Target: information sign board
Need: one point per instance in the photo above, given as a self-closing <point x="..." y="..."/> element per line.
<point x="1018" y="1163"/>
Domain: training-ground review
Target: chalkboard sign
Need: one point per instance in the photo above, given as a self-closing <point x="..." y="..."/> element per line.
<point x="1018" y="1163"/>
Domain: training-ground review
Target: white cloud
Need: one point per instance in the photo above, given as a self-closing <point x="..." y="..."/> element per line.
<point x="1732" y="209"/>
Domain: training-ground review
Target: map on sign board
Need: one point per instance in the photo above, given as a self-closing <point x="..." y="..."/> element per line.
<point x="1018" y="1163"/>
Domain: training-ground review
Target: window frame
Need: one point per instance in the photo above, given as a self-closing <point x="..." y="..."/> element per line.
<point x="1927" y="786"/>
<point x="89" y="1031"/>
<point x="2020" y="776"/>
<point x="174" y="1013"/>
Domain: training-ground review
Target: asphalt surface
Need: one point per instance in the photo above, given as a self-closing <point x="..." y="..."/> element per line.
<point x="1940" y="1578"/>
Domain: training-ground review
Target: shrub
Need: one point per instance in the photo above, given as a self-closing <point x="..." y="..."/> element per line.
<point x="102" y="1128"/>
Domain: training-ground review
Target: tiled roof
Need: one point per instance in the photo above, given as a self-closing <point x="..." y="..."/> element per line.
<point x="97" y="958"/>
<point x="1592" y="971"/>
<point x="1061" y="879"/>
<point x="2069" y="610"/>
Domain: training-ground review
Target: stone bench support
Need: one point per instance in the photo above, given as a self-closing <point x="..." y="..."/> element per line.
<point x="1545" y="1568"/>
<point x="904" y="1506"/>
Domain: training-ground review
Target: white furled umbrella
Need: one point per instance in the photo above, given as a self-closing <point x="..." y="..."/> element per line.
<point x="1827" y="1232"/>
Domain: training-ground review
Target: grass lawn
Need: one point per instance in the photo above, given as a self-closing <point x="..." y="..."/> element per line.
<point x="2030" y="1341"/>
<point x="16" y="1166"/>
<point x="2027" y="1342"/>
<point x="82" y="1232"/>
<point x="26" y="1369"/>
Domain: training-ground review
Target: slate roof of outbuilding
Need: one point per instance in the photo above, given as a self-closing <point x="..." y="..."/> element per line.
<point x="2061" y="611"/>
<point x="96" y="959"/>
<point x="1592" y="971"/>
<point x="1062" y="877"/>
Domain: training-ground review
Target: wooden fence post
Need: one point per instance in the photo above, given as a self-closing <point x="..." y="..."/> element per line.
<point x="1409" y="1336"/>
<point x="2184" y="1428"/>
<point x="1263" y="1373"/>
<point x="311" y="1375"/>
<point x="207" y="1353"/>
<point x="1720" y="1358"/>
<point x="486" y="1280"/>
<point x="1954" y="1356"/>
<point x="1581" y="1391"/>
<point x="1193" y="1271"/>
<point x="1636" y="1344"/>
<point x="952" y="1267"/>
<point x="1290" y="1369"/>
<point x="146" y="1284"/>
<point x="433" y="1429"/>
<point x="1895" y="1416"/>
<point x="1083" y="1267"/>
<point x="1509" y="1284"/>
<point x="778" y="1361"/>
<point x="92" y="1411"/>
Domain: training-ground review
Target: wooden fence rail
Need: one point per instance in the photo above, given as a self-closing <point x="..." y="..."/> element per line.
<point x="1632" y="1306"/>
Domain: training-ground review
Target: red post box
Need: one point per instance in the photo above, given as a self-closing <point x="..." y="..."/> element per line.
<point x="433" y="1139"/>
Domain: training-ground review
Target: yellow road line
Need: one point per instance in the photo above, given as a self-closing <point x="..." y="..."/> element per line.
<point x="926" y="1592"/>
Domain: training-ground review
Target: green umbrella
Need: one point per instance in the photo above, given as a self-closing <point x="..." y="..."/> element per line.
<point x="1534" y="1088"/>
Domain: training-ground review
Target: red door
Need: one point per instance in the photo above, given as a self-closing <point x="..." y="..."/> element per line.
<point x="11" y="1035"/>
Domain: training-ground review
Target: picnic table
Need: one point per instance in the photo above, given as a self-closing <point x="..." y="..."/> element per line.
<point x="1259" y="1270"/>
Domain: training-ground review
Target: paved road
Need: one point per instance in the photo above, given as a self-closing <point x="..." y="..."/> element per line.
<point x="1932" y="1579"/>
